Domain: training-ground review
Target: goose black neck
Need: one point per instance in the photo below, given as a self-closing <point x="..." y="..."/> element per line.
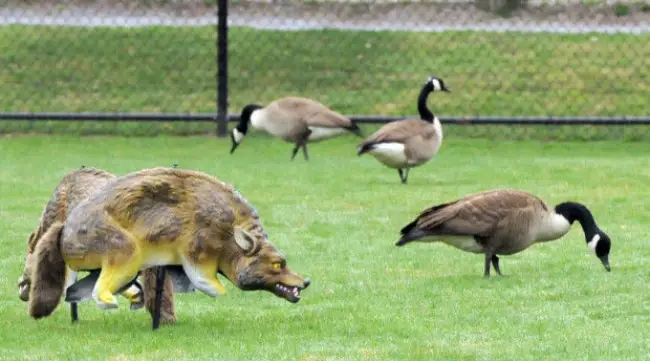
<point x="574" y="211"/>
<point x="425" y="113"/>
<point x="245" y="117"/>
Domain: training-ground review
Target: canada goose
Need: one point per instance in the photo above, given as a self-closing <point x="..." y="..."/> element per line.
<point x="503" y="222"/>
<point x="404" y="144"/>
<point x="295" y="120"/>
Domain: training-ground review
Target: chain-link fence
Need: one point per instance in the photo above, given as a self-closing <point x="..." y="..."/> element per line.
<point x="500" y="58"/>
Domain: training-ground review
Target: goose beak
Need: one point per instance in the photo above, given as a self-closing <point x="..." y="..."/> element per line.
<point x="605" y="261"/>
<point x="446" y="90"/>
<point x="234" y="143"/>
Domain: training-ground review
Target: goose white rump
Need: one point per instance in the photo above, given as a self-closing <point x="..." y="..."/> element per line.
<point x="391" y="154"/>
<point x="320" y="133"/>
<point x="466" y="243"/>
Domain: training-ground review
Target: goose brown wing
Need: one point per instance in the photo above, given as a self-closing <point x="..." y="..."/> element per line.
<point x="327" y="118"/>
<point x="476" y="215"/>
<point x="314" y="114"/>
<point x="398" y="132"/>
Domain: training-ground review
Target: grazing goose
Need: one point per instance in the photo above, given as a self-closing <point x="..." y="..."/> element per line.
<point x="404" y="144"/>
<point x="503" y="222"/>
<point x="295" y="120"/>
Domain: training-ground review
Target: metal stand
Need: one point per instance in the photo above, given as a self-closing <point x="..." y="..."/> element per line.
<point x="74" y="312"/>
<point x="160" y="284"/>
<point x="81" y="289"/>
<point x="222" y="68"/>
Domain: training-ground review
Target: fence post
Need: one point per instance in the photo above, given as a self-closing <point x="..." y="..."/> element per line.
<point x="222" y="68"/>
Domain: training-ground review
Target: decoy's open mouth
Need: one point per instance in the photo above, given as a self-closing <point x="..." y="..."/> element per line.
<point x="289" y="293"/>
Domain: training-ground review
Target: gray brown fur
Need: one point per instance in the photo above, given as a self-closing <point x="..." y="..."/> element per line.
<point x="152" y="198"/>
<point x="119" y="217"/>
<point x="75" y="187"/>
<point x="48" y="276"/>
<point x="72" y="189"/>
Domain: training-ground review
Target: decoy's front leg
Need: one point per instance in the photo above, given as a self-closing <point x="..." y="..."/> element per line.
<point x="495" y="263"/>
<point x="304" y="151"/>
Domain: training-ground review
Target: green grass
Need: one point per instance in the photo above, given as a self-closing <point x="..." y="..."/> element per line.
<point x="336" y="218"/>
<point x="163" y="69"/>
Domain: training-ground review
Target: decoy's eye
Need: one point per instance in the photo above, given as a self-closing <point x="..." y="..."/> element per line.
<point x="276" y="266"/>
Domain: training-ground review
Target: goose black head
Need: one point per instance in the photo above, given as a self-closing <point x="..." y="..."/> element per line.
<point x="601" y="244"/>
<point x="596" y="239"/>
<point x="432" y="84"/>
<point x="239" y="132"/>
<point x="437" y="84"/>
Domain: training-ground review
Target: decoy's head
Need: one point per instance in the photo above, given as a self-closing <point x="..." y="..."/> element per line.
<point x="436" y="84"/>
<point x="239" y="132"/>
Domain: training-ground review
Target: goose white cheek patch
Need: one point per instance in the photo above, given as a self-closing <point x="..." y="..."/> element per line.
<point x="594" y="242"/>
<point x="237" y="135"/>
<point x="436" y="84"/>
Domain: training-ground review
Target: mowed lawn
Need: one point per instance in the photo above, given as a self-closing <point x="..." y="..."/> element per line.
<point x="336" y="218"/>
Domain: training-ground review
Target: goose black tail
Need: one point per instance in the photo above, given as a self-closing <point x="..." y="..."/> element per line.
<point x="355" y="130"/>
<point x="365" y="148"/>
<point x="410" y="233"/>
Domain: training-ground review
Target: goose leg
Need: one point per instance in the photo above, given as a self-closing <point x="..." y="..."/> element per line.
<point x="403" y="174"/>
<point x="495" y="263"/>
<point x="488" y="259"/>
<point x="302" y="143"/>
<point x="294" y="151"/>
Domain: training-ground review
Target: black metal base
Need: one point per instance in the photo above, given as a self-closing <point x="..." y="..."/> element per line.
<point x="160" y="283"/>
<point x="74" y="312"/>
